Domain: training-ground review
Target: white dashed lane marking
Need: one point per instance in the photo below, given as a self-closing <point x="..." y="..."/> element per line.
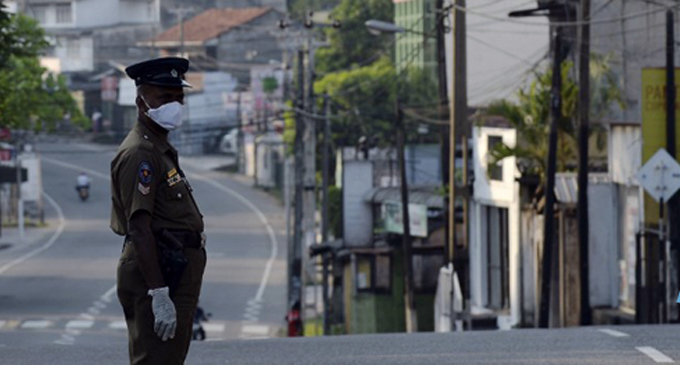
<point x="118" y="325"/>
<point x="214" y="327"/>
<point x="36" y="324"/>
<point x="655" y="354"/>
<point x="255" y="329"/>
<point x="79" y="324"/>
<point x="614" y="333"/>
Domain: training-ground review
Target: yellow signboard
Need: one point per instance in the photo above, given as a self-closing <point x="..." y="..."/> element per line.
<point x="654" y="124"/>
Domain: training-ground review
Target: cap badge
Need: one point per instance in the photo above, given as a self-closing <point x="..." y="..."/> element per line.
<point x="173" y="73"/>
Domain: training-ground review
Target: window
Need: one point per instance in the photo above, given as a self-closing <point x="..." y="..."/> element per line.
<point x="373" y="273"/>
<point x="40" y="13"/>
<point x="495" y="171"/>
<point x="64" y="14"/>
<point x="73" y="48"/>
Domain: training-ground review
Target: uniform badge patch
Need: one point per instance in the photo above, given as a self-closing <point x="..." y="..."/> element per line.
<point x="143" y="189"/>
<point x="145" y="173"/>
<point x="173" y="177"/>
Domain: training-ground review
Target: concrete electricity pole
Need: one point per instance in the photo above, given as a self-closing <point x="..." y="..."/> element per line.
<point x="295" y="272"/>
<point x="673" y="260"/>
<point x="409" y="299"/>
<point x="584" y="115"/>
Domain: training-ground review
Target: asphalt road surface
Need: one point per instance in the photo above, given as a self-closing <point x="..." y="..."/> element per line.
<point x="58" y="304"/>
<point x="57" y="288"/>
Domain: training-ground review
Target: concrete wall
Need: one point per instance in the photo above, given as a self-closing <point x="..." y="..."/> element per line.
<point x="209" y="106"/>
<point x="145" y="11"/>
<point x="625" y="153"/>
<point x="634" y="43"/>
<point x="603" y="210"/>
<point x="502" y="194"/>
<point x="357" y="216"/>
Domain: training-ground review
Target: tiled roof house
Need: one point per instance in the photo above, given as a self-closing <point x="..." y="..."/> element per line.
<point x="225" y="39"/>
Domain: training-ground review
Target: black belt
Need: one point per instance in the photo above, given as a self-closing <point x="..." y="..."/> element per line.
<point x="188" y="239"/>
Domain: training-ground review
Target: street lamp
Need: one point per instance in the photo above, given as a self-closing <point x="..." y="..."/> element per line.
<point x="377" y="27"/>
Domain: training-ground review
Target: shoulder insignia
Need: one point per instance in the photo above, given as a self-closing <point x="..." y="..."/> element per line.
<point x="145" y="173"/>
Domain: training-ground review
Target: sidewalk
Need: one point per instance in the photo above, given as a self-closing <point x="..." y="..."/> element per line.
<point x="10" y="239"/>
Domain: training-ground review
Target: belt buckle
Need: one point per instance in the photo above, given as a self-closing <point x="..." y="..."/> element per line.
<point x="203" y="239"/>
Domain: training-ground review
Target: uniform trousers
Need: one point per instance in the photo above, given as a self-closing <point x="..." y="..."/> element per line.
<point x="144" y="346"/>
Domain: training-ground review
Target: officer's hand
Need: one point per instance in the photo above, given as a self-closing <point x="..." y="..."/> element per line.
<point x="165" y="317"/>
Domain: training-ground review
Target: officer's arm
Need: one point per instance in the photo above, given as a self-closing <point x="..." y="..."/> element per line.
<point x="139" y="228"/>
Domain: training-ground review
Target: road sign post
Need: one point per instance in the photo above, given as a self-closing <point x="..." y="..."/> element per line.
<point x="660" y="177"/>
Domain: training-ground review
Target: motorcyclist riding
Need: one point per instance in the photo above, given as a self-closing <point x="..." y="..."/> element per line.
<point x="83" y="186"/>
<point x="83" y="181"/>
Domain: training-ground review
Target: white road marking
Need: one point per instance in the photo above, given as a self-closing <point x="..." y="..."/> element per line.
<point x="265" y="222"/>
<point x="36" y="324"/>
<point x="76" y="324"/>
<point x="214" y="327"/>
<point x="255" y="329"/>
<point x="50" y="242"/>
<point x="655" y="354"/>
<point x="118" y="325"/>
<point x="76" y="167"/>
<point x="613" y="333"/>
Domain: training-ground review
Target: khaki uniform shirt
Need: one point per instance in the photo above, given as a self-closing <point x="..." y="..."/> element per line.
<point x="145" y="175"/>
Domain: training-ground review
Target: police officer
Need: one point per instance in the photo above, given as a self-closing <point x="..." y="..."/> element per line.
<point x="154" y="209"/>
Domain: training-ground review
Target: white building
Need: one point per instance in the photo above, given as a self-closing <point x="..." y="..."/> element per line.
<point x="80" y="30"/>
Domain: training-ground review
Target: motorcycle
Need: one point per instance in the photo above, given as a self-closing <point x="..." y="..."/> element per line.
<point x="198" y="333"/>
<point x="83" y="192"/>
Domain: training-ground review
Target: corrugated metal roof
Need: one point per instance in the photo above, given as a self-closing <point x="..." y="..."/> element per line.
<point x="417" y="195"/>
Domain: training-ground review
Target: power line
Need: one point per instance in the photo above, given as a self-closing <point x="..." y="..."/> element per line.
<point x="567" y="23"/>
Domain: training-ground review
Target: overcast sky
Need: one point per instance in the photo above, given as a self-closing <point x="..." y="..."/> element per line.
<point x="501" y="51"/>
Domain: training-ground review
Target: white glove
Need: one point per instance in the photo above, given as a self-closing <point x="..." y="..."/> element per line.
<point x="165" y="316"/>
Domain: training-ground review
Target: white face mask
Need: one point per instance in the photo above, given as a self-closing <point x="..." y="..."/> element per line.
<point x="168" y="116"/>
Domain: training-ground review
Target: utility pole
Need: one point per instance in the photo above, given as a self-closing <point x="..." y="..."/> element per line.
<point x="295" y="285"/>
<point x="452" y="139"/>
<point x="673" y="260"/>
<point x="181" y="12"/>
<point x="458" y="251"/>
<point x="441" y="112"/>
<point x="309" y="196"/>
<point x="409" y="300"/>
<point x="325" y="211"/>
<point x="584" y="116"/>
<point x="239" y="134"/>
<point x="549" y="209"/>
<point x="20" y="201"/>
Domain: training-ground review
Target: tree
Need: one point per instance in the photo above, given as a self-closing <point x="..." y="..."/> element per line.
<point x="30" y="98"/>
<point x="352" y="44"/>
<point x="530" y="115"/>
<point x="365" y="100"/>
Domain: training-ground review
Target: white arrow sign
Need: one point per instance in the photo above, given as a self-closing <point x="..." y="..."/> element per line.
<point x="660" y="176"/>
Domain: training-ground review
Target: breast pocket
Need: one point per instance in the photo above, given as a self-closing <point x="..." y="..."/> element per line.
<point x="177" y="192"/>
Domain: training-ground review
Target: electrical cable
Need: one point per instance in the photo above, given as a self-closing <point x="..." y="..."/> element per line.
<point x="567" y="23"/>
